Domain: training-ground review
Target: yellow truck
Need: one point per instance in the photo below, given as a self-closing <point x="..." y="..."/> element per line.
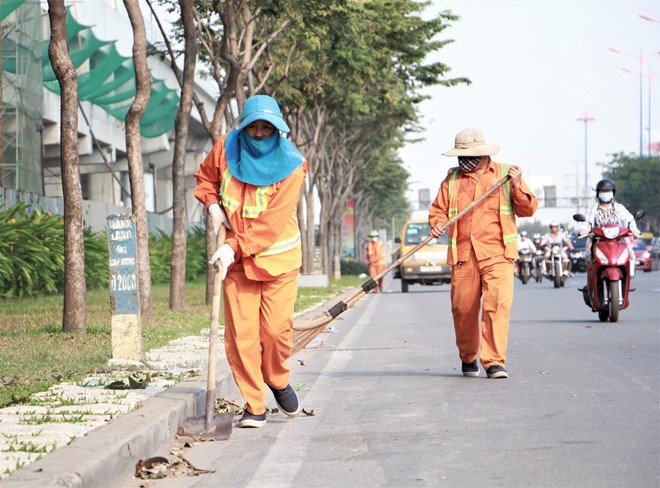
<point x="428" y="266"/>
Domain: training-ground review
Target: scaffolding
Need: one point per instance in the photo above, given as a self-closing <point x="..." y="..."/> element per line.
<point x="21" y="97"/>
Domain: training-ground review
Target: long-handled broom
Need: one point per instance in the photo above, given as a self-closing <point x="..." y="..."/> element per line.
<point x="303" y="334"/>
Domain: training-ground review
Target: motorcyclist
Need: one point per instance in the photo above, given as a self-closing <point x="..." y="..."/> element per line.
<point x="607" y="210"/>
<point x="556" y="237"/>
<point x="524" y="243"/>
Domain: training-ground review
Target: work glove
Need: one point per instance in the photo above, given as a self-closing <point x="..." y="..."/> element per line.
<point x="225" y="254"/>
<point x="218" y="218"/>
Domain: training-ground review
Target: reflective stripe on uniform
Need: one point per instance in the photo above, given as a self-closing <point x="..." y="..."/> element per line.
<point x="281" y="246"/>
<point x="507" y="208"/>
<point x="253" y="211"/>
<point x="452" y="211"/>
<point x="227" y="201"/>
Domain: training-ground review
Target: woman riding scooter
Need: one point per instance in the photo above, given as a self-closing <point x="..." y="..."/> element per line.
<point x="607" y="210"/>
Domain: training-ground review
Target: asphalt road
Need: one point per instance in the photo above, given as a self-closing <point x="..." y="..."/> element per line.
<point x="581" y="407"/>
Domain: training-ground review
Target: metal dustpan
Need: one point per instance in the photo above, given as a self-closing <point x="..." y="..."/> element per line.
<point x="219" y="427"/>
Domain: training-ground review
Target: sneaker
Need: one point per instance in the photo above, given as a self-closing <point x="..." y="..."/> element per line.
<point x="496" y="371"/>
<point x="470" y="369"/>
<point x="251" y="420"/>
<point x="287" y="400"/>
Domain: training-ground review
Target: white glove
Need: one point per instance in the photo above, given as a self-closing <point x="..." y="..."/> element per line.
<point x="225" y="254"/>
<point x="218" y="218"/>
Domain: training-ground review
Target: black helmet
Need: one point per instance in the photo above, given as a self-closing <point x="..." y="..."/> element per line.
<point x="606" y="185"/>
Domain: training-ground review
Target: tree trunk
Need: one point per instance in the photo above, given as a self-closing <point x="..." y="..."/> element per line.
<point x="179" y="235"/>
<point x="75" y="294"/>
<point x="134" y="152"/>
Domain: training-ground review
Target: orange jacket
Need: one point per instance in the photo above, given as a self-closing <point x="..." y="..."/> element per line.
<point x="490" y="228"/>
<point x="376" y="252"/>
<point x="265" y="233"/>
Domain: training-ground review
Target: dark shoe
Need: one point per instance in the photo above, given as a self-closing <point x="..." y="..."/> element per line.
<point x="287" y="400"/>
<point x="250" y="420"/>
<point x="470" y="369"/>
<point x="496" y="371"/>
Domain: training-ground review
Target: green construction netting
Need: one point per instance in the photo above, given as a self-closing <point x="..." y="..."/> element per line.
<point x="107" y="78"/>
<point x="8" y="6"/>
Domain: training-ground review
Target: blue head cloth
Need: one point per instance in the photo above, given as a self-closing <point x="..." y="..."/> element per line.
<point x="261" y="162"/>
<point x="262" y="107"/>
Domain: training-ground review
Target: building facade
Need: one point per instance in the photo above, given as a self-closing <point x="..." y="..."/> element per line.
<point x="100" y="45"/>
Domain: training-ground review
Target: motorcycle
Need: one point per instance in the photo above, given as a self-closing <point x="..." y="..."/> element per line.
<point x="555" y="266"/>
<point x="577" y="256"/>
<point x="525" y="265"/>
<point x="539" y="265"/>
<point x="608" y="269"/>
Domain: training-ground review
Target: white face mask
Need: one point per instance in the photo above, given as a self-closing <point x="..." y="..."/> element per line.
<point x="605" y="196"/>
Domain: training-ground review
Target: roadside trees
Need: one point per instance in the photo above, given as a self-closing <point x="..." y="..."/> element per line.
<point x="75" y="291"/>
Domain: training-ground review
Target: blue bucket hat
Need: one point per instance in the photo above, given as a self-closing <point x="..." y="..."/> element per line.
<point x="262" y="107"/>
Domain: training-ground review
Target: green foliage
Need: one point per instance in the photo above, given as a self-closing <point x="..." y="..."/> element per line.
<point x="32" y="254"/>
<point x="637" y="182"/>
<point x="96" y="260"/>
<point x="196" y="254"/>
<point x="352" y="267"/>
<point x="160" y="256"/>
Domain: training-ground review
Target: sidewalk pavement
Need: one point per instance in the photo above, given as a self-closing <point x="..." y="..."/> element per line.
<point x="106" y="449"/>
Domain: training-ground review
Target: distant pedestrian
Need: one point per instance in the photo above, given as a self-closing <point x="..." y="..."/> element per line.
<point x="375" y="251"/>
<point x="251" y="182"/>
<point x="482" y="249"/>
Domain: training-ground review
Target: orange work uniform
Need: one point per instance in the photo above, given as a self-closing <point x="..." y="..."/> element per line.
<point x="482" y="249"/>
<point x="376" y="258"/>
<point x="261" y="286"/>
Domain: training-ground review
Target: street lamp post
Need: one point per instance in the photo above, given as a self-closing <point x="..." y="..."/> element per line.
<point x="641" y="85"/>
<point x="649" y="18"/>
<point x="648" y="128"/>
<point x="586" y="118"/>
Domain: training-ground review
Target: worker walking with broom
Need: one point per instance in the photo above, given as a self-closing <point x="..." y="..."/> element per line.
<point x="482" y="249"/>
<point x="250" y="182"/>
<point x="375" y="254"/>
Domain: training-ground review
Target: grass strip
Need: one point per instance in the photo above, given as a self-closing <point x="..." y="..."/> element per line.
<point x="35" y="354"/>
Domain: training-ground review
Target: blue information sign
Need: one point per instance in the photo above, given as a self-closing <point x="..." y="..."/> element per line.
<point x="122" y="245"/>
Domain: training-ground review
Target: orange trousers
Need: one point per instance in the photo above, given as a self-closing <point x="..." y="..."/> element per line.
<point x="258" y="333"/>
<point x="375" y="270"/>
<point x="492" y="281"/>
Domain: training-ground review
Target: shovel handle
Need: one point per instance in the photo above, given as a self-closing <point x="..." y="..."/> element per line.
<point x="213" y="334"/>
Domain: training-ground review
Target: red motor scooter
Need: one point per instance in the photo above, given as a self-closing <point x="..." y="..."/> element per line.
<point x="608" y="269"/>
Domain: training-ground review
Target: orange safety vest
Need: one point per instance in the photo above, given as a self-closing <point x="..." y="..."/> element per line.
<point x="507" y="217"/>
<point x="275" y="247"/>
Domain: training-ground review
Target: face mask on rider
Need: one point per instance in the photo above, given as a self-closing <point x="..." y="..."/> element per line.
<point x="605" y="196"/>
<point x="468" y="163"/>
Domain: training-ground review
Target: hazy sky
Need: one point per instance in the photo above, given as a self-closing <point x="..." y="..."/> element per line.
<point x="535" y="67"/>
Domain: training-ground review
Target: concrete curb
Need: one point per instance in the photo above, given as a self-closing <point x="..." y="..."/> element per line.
<point x="106" y="457"/>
